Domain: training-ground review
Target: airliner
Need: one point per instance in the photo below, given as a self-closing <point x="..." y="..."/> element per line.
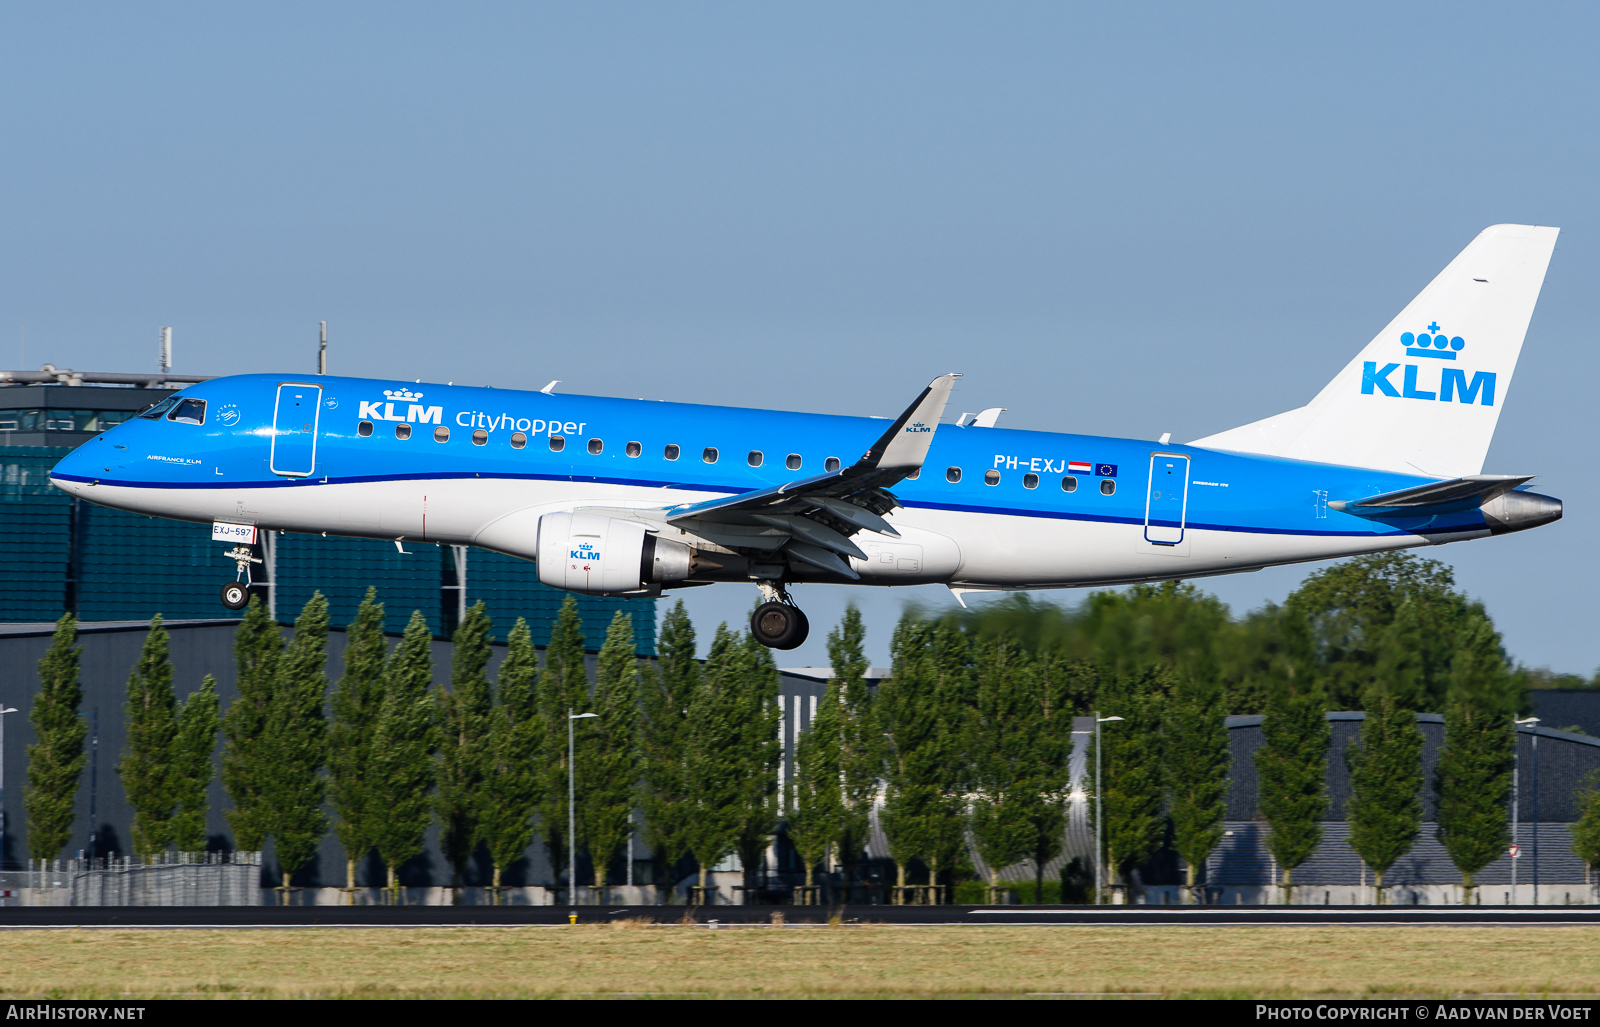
<point x="621" y="497"/>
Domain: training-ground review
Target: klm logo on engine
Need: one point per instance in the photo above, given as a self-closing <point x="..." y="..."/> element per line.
<point x="415" y="411"/>
<point x="1452" y="383"/>
<point x="585" y="551"/>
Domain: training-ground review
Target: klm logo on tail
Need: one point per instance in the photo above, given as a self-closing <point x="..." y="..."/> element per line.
<point x="1434" y="344"/>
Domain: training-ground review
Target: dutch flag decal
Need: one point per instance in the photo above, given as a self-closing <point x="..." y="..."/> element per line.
<point x="1079" y="466"/>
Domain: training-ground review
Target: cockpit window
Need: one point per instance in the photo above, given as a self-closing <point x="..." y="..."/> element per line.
<point x="189" y="411"/>
<point x="155" y="412"/>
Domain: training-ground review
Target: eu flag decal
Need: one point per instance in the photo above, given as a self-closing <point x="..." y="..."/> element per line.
<point x="1106" y="470"/>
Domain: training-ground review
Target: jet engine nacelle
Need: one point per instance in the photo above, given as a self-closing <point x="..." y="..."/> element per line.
<point x="600" y="555"/>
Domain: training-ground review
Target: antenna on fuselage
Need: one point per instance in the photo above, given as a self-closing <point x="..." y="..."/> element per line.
<point x="322" y="351"/>
<point x="164" y="355"/>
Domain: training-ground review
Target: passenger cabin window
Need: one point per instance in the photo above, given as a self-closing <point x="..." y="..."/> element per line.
<point x="557" y="443"/>
<point x="914" y="475"/>
<point x="1069" y="484"/>
<point x="709" y="454"/>
<point x="189" y="411"/>
<point x="480" y="438"/>
<point x="1108" y="486"/>
<point x="441" y="434"/>
<point x="402" y="431"/>
<point x="595" y="446"/>
<point x="792" y="461"/>
<point x="991" y="477"/>
<point x="634" y="449"/>
<point x="831" y="464"/>
<point x="364" y="429"/>
<point x="518" y="440"/>
<point x="155" y="412"/>
<point x="1030" y="481"/>
<point x="755" y="458"/>
<point x="671" y="452"/>
<point x="952" y="474"/>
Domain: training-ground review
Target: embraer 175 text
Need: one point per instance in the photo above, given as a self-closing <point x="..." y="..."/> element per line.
<point x="629" y="497"/>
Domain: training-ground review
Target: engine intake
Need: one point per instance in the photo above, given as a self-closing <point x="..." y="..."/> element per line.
<point x="599" y="555"/>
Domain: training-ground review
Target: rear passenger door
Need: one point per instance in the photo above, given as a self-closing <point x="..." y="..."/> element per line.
<point x="1166" y="499"/>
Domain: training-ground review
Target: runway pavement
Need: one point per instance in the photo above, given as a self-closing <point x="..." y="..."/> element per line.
<point x="794" y="916"/>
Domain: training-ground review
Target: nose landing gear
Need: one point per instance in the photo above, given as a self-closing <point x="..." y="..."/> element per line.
<point x="778" y="623"/>
<point x="236" y="594"/>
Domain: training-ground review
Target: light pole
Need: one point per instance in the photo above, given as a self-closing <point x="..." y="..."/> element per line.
<point x="572" y="811"/>
<point x="1516" y="803"/>
<point x="4" y="709"/>
<point x="1099" y="814"/>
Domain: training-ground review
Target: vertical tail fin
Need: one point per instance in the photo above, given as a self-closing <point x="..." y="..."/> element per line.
<point x="1425" y="395"/>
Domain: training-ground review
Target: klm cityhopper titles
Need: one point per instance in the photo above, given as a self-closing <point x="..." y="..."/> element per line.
<point x="626" y="497"/>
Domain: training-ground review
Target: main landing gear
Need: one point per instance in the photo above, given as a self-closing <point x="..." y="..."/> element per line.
<point x="236" y="594"/>
<point x="778" y="623"/>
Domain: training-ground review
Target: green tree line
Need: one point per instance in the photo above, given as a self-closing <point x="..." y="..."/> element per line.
<point x="962" y="752"/>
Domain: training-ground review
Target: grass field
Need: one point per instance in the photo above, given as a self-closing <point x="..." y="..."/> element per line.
<point x="1255" y="962"/>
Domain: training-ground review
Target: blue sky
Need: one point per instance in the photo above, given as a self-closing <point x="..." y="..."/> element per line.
<point x="1114" y="219"/>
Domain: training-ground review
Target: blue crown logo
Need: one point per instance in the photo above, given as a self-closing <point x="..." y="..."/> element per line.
<point x="1437" y="345"/>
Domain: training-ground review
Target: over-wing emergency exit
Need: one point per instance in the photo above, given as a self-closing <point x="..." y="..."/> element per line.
<point x="629" y="497"/>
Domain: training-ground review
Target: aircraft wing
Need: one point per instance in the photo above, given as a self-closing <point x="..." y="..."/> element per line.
<point x="1434" y="497"/>
<point x="813" y="518"/>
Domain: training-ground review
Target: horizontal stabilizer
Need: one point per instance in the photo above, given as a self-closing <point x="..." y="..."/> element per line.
<point x="1434" y="497"/>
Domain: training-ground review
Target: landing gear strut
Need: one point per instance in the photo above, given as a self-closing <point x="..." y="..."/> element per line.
<point x="778" y="623"/>
<point x="236" y="594"/>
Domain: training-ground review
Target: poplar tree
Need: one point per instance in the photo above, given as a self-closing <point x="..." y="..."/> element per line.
<point x="1292" y="766"/>
<point x="246" y="755"/>
<point x="56" y="758"/>
<point x="1473" y="777"/>
<point x="1196" y="758"/>
<point x="712" y="768"/>
<point x="608" y="753"/>
<point x="357" y="798"/>
<point x="1385" y="807"/>
<point x="1005" y="780"/>
<point x="403" y="747"/>
<point x="759" y="751"/>
<point x="198" y="721"/>
<point x="907" y="715"/>
<point x="1131" y="779"/>
<point x="146" y="767"/>
<point x="1053" y="684"/>
<point x="950" y="660"/>
<point x="511" y="789"/>
<point x="667" y="692"/>
<point x="857" y="748"/>
<point x="465" y="717"/>
<point x="1586" y="829"/>
<point x="563" y="690"/>
<point x="297" y="743"/>
<point x="811" y="805"/>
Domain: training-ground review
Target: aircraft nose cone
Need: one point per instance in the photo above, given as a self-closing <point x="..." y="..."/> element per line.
<point x="1519" y="511"/>
<point x="78" y="464"/>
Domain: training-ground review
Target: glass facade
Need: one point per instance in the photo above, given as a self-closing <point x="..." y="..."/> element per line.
<point x="63" y="554"/>
<point x="62" y="420"/>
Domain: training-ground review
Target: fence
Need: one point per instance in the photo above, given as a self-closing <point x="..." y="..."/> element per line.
<point x="170" y="879"/>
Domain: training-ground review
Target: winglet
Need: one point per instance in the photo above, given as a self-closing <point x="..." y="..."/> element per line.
<point x="905" y="444"/>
